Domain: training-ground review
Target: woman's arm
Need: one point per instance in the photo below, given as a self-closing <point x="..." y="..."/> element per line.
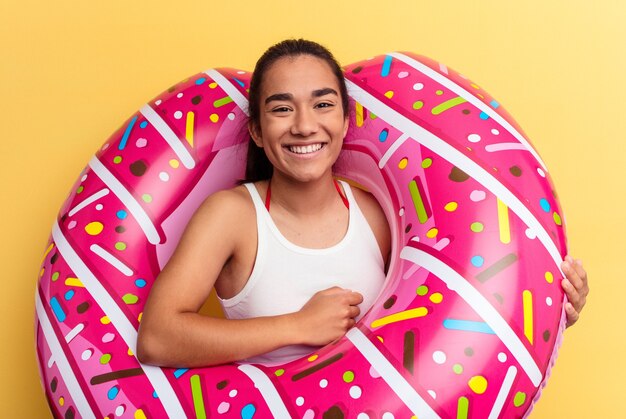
<point x="173" y="334"/>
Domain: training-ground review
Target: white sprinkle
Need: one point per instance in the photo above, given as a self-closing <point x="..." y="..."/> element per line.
<point x="86" y="354"/>
<point x="119" y="410"/>
<point x="355" y="392"/>
<point x="164" y="176"/>
<point x="530" y="233"/>
<point x="495" y="131"/>
<point x="418" y="86"/>
<point x="432" y="394"/>
<point x="477" y="196"/>
<point x="549" y="301"/>
<point x="473" y="138"/>
<point x="300" y="401"/>
<point x="99" y="207"/>
<point x="541" y="172"/>
<point x="232" y="393"/>
<point x="178" y="114"/>
<point x="158" y="102"/>
<point x="502" y="357"/>
<point x="439" y="357"/>
<point x="231" y="116"/>
<point x="179" y="95"/>
<point x="323" y="383"/>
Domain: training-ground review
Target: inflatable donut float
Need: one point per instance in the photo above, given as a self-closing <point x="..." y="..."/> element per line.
<point x="467" y="325"/>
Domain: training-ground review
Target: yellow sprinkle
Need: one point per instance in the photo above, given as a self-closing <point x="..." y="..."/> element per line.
<point x="94" y="228"/>
<point x="105" y="320"/>
<point x="130" y="352"/>
<point x="359" y="114"/>
<point x="139" y="317"/>
<point x="41" y="272"/>
<point x="189" y="128"/>
<point x="312" y="358"/>
<point x="503" y="222"/>
<point x="527" y="299"/>
<point x="47" y="251"/>
<point x="403" y="163"/>
<point x="432" y="233"/>
<point x="475" y="86"/>
<point x="403" y="315"/>
<point x="61" y="401"/>
<point x="451" y="206"/>
<point x="73" y="282"/>
<point x="549" y="277"/>
<point x="389" y="94"/>
<point x="213" y="85"/>
<point x="478" y="384"/>
<point x="436" y="297"/>
<point x="214" y="117"/>
<point x="139" y="414"/>
<point x="174" y="163"/>
<point x="380" y="338"/>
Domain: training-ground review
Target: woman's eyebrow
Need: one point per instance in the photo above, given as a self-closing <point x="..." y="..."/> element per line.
<point x="288" y="96"/>
<point x="279" y="96"/>
<point x="323" y="92"/>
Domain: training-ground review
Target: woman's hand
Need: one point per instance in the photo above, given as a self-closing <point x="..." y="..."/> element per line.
<point x="328" y="315"/>
<point x="575" y="286"/>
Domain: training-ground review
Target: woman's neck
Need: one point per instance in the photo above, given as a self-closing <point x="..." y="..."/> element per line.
<point x="304" y="199"/>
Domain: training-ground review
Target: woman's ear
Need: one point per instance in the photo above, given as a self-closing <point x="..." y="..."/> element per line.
<point x="346" y="125"/>
<point x="255" y="134"/>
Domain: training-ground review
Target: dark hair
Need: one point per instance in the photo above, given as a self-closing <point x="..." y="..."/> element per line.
<point x="258" y="167"/>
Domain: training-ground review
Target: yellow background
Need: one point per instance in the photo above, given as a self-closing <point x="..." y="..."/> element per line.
<point x="72" y="71"/>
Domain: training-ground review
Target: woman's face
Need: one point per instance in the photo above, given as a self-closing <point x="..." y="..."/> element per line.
<point x="301" y="122"/>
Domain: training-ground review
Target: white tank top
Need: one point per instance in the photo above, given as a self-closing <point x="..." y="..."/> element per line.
<point x="285" y="276"/>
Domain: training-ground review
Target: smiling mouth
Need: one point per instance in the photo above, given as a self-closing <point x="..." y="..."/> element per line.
<point x="305" y="149"/>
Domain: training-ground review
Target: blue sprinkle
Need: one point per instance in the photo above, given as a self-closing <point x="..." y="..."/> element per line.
<point x="129" y="128"/>
<point x="239" y="82"/>
<point x="495" y="104"/>
<point x="484" y="116"/>
<point x="121" y="214"/>
<point x="143" y="124"/>
<point x="478" y="261"/>
<point x="383" y="135"/>
<point x="113" y="392"/>
<point x="154" y="395"/>
<point x="69" y="295"/>
<point x="386" y="66"/>
<point x="180" y="372"/>
<point x="200" y="80"/>
<point x="468" y="326"/>
<point x="57" y="309"/>
<point x="545" y="205"/>
<point x="248" y="411"/>
<point x="140" y="282"/>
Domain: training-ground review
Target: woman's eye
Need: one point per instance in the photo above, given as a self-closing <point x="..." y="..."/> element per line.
<point x="280" y="109"/>
<point x="324" y="105"/>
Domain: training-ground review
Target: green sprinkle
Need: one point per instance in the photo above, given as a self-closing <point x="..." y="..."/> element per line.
<point x="348" y="376"/>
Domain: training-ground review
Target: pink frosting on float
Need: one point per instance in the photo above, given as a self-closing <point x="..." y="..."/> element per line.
<point x="470" y="318"/>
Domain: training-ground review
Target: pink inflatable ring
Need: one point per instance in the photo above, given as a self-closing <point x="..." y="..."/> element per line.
<point x="469" y="320"/>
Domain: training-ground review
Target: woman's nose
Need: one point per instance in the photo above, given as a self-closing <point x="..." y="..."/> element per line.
<point x="304" y="123"/>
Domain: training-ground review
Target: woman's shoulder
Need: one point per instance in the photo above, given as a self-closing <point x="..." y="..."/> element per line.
<point x="227" y="204"/>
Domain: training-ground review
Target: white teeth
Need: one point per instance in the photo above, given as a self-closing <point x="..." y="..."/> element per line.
<point x="305" y="149"/>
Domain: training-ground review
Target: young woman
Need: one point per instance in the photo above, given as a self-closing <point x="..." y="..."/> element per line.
<point x="295" y="256"/>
